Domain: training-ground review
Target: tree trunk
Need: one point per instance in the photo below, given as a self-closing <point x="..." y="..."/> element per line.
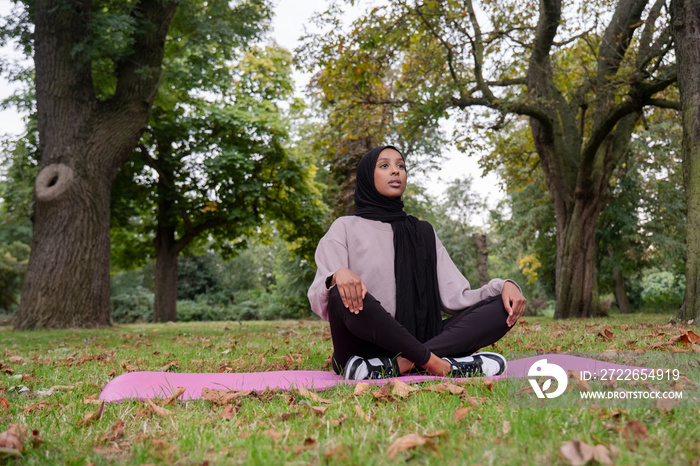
<point x="685" y="16"/>
<point x="82" y="143"/>
<point x="67" y="280"/>
<point x="577" y="278"/>
<point x="165" y="301"/>
<point x="482" y="256"/>
<point x="620" y="289"/>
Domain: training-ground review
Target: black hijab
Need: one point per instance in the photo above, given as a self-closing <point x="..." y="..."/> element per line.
<point x="415" y="258"/>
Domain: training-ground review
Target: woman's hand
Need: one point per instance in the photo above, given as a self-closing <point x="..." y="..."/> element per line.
<point x="514" y="302"/>
<point x="351" y="288"/>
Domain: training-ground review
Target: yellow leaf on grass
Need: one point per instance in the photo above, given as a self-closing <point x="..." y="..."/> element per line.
<point x="312" y="396"/>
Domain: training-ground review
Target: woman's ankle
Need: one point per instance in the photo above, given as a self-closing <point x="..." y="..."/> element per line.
<point x="437" y="366"/>
<point x="404" y="364"/>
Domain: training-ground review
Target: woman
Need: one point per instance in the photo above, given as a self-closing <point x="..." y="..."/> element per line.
<point x="383" y="279"/>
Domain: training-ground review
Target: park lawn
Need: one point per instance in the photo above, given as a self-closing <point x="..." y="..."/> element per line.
<point x="477" y="426"/>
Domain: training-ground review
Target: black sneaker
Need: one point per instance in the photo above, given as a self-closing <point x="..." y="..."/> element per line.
<point x="359" y="368"/>
<point x="478" y="364"/>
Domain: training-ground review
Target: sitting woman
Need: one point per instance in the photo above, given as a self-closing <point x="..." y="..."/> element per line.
<point x="384" y="279"/>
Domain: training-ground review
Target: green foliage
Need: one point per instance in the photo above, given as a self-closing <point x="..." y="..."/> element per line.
<point x="663" y="291"/>
<point x="13" y="265"/>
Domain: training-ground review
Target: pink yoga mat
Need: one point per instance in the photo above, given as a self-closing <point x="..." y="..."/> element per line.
<point x="142" y="385"/>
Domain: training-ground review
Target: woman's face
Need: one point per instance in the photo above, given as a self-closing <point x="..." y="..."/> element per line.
<point x="390" y="174"/>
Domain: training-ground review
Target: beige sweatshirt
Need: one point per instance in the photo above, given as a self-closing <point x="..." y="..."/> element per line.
<point x="367" y="248"/>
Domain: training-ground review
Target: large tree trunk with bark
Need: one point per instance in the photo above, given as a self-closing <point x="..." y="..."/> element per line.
<point x="82" y="143"/>
<point x="686" y="30"/>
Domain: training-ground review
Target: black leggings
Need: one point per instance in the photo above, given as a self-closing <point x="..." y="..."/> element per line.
<point x="375" y="333"/>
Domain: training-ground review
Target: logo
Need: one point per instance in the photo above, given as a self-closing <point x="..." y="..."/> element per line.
<point x="543" y="368"/>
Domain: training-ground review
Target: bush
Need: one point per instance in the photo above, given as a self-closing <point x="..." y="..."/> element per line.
<point x="135" y="305"/>
<point x="663" y="290"/>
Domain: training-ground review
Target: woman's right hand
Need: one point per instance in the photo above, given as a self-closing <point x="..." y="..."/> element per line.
<point x="351" y="288"/>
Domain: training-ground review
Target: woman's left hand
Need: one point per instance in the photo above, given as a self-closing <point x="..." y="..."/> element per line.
<point x="514" y="302"/>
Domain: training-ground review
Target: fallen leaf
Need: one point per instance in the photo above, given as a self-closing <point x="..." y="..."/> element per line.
<point x="636" y="429"/>
<point x="312" y="396"/>
<point x="506" y="427"/>
<point x="402" y="389"/>
<point x="159" y="410"/>
<point x="319" y="410"/>
<point x="16" y="359"/>
<point x="11" y="440"/>
<point x="446" y="387"/>
<point x="337" y="453"/>
<point x="117" y="431"/>
<point x="91" y="417"/>
<point x="439" y="433"/>
<point x="223" y="397"/>
<point x="460" y="414"/>
<point x="606" y="333"/>
<point x="382" y="393"/>
<point x="340" y="420"/>
<point x="273" y="434"/>
<point x="179" y="391"/>
<point x="489" y="384"/>
<point x="582" y="385"/>
<point x="361" y="388"/>
<point x="602" y="455"/>
<point x="40" y="406"/>
<point x="404" y="443"/>
<point x="577" y="453"/>
<point x="361" y="414"/>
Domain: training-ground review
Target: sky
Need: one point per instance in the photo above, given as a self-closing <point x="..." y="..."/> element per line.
<point x="292" y="20"/>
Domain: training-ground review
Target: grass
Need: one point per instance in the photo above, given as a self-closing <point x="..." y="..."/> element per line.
<point x="276" y="427"/>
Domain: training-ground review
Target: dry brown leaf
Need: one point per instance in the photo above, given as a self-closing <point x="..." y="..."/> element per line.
<point x="4" y="405"/>
<point x="382" y="393"/>
<point x="338" y="453"/>
<point x="273" y="434"/>
<point x="40" y="406"/>
<point x="489" y="384"/>
<point x="117" y="431"/>
<point x="179" y="391"/>
<point x="460" y="414"/>
<point x="577" y="453"/>
<point x="446" y="387"/>
<point x="402" y="389"/>
<point x="602" y="455"/>
<point x="319" y="410"/>
<point x="223" y="397"/>
<point x="11" y="440"/>
<point x="506" y="427"/>
<point x="438" y="433"/>
<point x="361" y="414"/>
<point x="159" y="410"/>
<point x="340" y="420"/>
<point x="91" y="417"/>
<point x="636" y="429"/>
<point x="361" y="388"/>
<point x="606" y="333"/>
<point x="312" y="396"/>
<point x="229" y="411"/>
<point x="404" y="443"/>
